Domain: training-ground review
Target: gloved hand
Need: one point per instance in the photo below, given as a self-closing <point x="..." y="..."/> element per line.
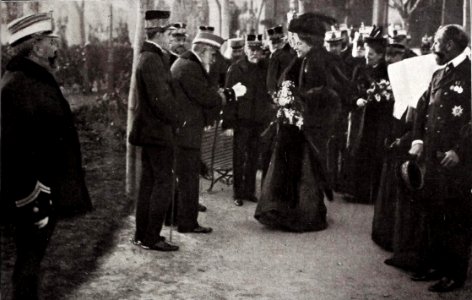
<point x="239" y="89"/>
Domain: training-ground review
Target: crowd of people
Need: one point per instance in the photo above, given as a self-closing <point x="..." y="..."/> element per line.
<point x="311" y="108"/>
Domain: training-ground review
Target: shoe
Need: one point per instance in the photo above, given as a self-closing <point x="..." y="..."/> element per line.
<point x="238" y="202"/>
<point x="161" y="245"/>
<point x="428" y="275"/>
<point x="446" y="285"/>
<point x="252" y="198"/>
<point x="201" y="207"/>
<point x="135" y="242"/>
<point x="198" y="229"/>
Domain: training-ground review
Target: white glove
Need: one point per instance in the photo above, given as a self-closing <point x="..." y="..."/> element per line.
<point x="239" y="89"/>
<point x="228" y="132"/>
<point x="361" y="102"/>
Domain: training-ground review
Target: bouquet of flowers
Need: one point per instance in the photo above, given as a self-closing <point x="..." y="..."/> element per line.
<point x="380" y="91"/>
<point x="289" y="107"/>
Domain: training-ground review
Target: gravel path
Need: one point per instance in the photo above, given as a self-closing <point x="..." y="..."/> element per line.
<point x="242" y="259"/>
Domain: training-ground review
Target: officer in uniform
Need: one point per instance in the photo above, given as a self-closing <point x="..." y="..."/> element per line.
<point x="153" y="129"/>
<point x="177" y="40"/>
<point x="281" y="56"/>
<point x="247" y="117"/>
<point x="42" y="176"/>
<point x="442" y="113"/>
<point x="235" y="50"/>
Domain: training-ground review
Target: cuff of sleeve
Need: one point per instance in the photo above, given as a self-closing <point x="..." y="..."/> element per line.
<point x="229" y="94"/>
<point x="34" y="194"/>
<point x="415" y="142"/>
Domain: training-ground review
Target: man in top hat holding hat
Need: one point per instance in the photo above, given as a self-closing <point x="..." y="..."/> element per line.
<point x="247" y="117"/>
<point x="153" y="129"/>
<point x="191" y="73"/>
<point x="442" y="113"/>
<point x="177" y="40"/>
<point x="42" y="176"/>
<point x="281" y="56"/>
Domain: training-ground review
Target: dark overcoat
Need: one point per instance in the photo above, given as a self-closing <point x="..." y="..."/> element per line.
<point x="278" y="62"/>
<point x="197" y="96"/>
<point x="443" y="112"/>
<point x="254" y="108"/>
<point x="156" y="113"/>
<point x="39" y="140"/>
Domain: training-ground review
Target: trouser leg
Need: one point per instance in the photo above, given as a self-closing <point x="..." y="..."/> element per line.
<point x="189" y="183"/>
<point x="31" y="244"/>
<point x="161" y="159"/>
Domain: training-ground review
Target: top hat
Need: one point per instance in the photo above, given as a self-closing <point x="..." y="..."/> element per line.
<point x="179" y="29"/>
<point x="25" y="27"/>
<point x="412" y="175"/>
<point x="157" y="20"/>
<point x="208" y="38"/>
<point x="275" y="33"/>
<point x="204" y="28"/>
<point x="254" y="41"/>
<point x="236" y="43"/>
<point x="311" y="24"/>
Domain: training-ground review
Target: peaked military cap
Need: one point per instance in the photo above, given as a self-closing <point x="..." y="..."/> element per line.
<point x="209" y="38"/>
<point x="25" y="27"/>
<point x="276" y="32"/>
<point x="179" y="29"/>
<point x="157" y="20"/>
<point x="253" y="40"/>
<point x="205" y="28"/>
<point x="236" y="43"/>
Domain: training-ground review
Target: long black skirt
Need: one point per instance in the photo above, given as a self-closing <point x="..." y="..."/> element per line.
<point x="292" y="198"/>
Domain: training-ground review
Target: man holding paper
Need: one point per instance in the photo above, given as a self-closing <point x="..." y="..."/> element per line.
<point x="442" y="112"/>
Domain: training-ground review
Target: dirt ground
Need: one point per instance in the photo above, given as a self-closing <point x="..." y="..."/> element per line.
<point x="90" y="257"/>
<point x="242" y="259"/>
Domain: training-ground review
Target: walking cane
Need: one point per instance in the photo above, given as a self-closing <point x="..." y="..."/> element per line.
<point x="175" y="183"/>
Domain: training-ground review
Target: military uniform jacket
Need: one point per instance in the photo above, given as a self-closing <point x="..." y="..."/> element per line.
<point x="40" y="145"/>
<point x="254" y="108"/>
<point x="443" y="113"/>
<point x="156" y="113"/>
<point x="278" y="62"/>
<point x="196" y="97"/>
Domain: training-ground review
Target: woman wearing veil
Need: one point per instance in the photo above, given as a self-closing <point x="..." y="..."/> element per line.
<point x="296" y="183"/>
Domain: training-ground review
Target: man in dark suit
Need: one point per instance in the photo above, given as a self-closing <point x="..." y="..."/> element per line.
<point x="153" y="129"/>
<point x="247" y="117"/>
<point x="41" y="168"/>
<point x="197" y="95"/>
<point x="442" y="113"/>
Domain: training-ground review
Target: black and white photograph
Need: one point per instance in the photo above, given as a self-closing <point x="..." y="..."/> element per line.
<point x="235" y="149"/>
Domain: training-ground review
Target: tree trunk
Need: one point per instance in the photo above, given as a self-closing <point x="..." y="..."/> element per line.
<point x="81" y="11"/>
<point x="443" y="12"/>
<point x="133" y="167"/>
<point x="111" y="83"/>
<point x="380" y="13"/>
<point x="225" y="18"/>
